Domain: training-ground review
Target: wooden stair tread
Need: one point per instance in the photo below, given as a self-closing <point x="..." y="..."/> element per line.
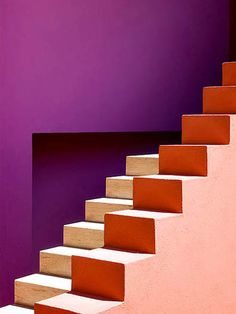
<point x="84" y="235"/>
<point x="64" y="250"/>
<point x="127" y="178"/>
<point x="208" y="115"/>
<point x="57" y="261"/>
<point x="13" y="309"/>
<point x="86" y="225"/>
<point x="142" y="164"/>
<point x="37" y="287"/>
<point x="46" y="281"/>
<point x="120" y="187"/>
<point x="106" y="200"/>
<point x="96" y="209"/>
<point x="144" y="156"/>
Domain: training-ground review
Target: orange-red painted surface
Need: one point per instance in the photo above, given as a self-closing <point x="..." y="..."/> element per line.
<point x="158" y="195"/>
<point x="206" y="129"/>
<point x="134" y="230"/>
<point x="130" y="233"/>
<point x="219" y="99"/>
<point x="229" y="74"/>
<point x="186" y="160"/>
<point x="98" y="277"/>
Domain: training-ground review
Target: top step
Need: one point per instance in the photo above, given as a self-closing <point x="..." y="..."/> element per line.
<point x="229" y="74"/>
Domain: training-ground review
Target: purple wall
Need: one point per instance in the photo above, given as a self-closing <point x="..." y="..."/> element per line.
<point x="93" y="66"/>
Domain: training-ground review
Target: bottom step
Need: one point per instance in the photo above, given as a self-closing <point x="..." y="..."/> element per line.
<point x="37" y="287"/>
<point x="74" y="304"/>
<point x="12" y="309"/>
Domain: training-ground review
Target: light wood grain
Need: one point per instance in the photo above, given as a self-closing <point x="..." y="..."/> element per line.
<point x="141" y="165"/>
<point x="57" y="261"/>
<point x="37" y="287"/>
<point x="88" y="235"/>
<point x="119" y="187"/>
<point x="96" y="209"/>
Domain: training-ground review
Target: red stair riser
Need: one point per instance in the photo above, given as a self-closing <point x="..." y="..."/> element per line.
<point x="98" y="277"/>
<point x="220" y="99"/>
<point x="229" y="73"/>
<point x="158" y="195"/>
<point x="201" y="129"/>
<point x="130" y="233"/>
<point x="183" y="160"/>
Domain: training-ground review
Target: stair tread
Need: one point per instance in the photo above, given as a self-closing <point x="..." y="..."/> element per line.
<point x="13" y="309"/>
<point x="220" y="87"/>
<point x="87" y="225"/>
<point x="209" y="146"/>
<point x="65" y="250"/>
<point x="144" y="156"/>
<point x="106" y="200"/>
<point x="209" y="115"/>
<point x="127" y="178"/>
<point x="79" y="304"/>
<point x="46" y="281"/>
<point x="229" y="62"/>
<point x="117" y="256"/>
<point x="144" y="214"/>
<point x="170" y="177"/>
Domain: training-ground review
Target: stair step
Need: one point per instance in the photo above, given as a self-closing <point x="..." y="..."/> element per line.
<point x="184" y="160"/>
<point x="160" y="193"/>
<point x="119" y="187"/>
<point x="88" y="235"/>
<point x="140" y="165"/>
<point x="37" y="287"/>
<point x="74" y="304"/>
<point x="229" y="73"/>
<point x="95" y="209"/>
<point x="206" y="129"/>
<point x="219" y="99"/>
<point x="102" y="272"/>
<point x="134" y="230"/>
<point x="57" y="261"/>
<point x="13" y="309"/>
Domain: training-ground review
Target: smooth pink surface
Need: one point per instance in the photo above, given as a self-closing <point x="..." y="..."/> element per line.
<point x="194" y="271"/>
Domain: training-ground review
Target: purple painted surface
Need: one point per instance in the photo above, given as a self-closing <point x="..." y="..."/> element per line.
<point x="92" y="66"/>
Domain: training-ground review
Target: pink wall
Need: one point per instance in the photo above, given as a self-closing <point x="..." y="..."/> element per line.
<point x="89" y="66"/>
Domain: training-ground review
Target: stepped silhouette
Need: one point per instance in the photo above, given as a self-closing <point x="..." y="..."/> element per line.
<point x="163" y="238"/>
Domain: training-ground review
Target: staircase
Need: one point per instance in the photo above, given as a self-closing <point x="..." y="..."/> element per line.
<point x="163" y="238"/>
